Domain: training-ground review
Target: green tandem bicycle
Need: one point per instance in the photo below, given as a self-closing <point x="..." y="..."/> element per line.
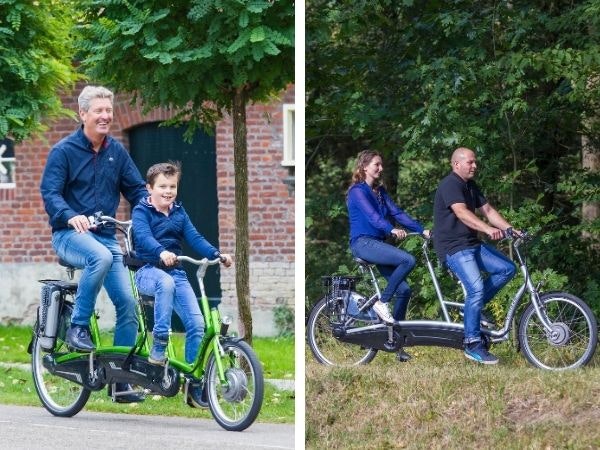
<point x="226" y="367"/>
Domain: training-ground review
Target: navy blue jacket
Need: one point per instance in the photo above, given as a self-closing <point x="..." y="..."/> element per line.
<point x="154" y="232"/>
<point x="370" y="214"/>
<point x="77" y="180"/>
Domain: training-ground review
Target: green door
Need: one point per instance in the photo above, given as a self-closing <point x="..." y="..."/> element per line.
<point x="150" y="144"/>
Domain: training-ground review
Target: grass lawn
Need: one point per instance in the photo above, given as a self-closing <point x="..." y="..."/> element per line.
<point x="440" y="400"/>
<point x="16" y="384"/>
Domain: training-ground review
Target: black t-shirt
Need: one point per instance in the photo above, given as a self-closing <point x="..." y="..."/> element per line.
<point x="451" y="235"/>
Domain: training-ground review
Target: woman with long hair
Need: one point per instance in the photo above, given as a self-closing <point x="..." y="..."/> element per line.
<point x="373" y="217"/>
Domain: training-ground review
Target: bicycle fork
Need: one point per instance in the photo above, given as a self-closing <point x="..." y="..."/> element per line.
<point x="540" y="308"/>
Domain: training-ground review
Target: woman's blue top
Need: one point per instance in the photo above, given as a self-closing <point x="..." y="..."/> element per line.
<point x="372" y="214"/>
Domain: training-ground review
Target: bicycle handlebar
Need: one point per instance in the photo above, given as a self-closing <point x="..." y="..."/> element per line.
<point x="517" y="239"/>
<point x="103" y="220"/>
<point x="202" y="266"/>
<point x="413" y="233"/>
<point x="200" y="262"/>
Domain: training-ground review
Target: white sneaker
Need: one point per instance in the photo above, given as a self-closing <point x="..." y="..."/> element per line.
<point x="383" y="311"/>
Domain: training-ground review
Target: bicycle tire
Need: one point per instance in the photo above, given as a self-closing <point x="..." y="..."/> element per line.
<point x="326" y="348"/>
<point x="574" y="337"/>
<point x="60" y="397"/>
<point x="236" y="405"/>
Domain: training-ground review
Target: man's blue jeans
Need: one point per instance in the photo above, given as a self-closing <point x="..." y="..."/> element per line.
<point x="394" y="264"/>
<point x="101" y="258"/>
<point x="468" y="266"/>
<point x="172" y="290"/>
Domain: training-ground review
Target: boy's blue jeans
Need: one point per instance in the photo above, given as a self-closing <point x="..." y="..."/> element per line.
<point x="101" y="258"/>
<point x="468" y="266"/>
<point x="394" y="264"/>
<point x="172" y="291"/>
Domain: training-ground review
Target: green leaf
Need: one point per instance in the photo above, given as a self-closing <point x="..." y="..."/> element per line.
<point x="271" y="49"/>
<point x="257" y="6"/>
<point x="239" y="42"/>
<point x="257" y="34"/>
<point x="165" y="58"/>
<point x="257" y="52"/>
<point x="244" y="19"/>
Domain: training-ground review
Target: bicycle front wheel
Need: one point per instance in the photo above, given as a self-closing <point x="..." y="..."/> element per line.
<point x="326" y="348"/>
<point x="59" y="396"/>
<point x="235" y="404"/>
<point x="572" y="340"/>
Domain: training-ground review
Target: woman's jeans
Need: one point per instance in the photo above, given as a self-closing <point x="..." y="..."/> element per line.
<point x="394" y="264"/>
<point x="101" y="258"/>
<point x="468" y="266"/>
<point x="172" y="291"/>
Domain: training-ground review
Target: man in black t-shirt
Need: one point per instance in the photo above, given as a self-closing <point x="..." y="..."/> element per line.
<point x="456" y="242"/>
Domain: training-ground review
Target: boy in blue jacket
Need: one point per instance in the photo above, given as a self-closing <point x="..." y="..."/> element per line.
<point x="160" y="224"/>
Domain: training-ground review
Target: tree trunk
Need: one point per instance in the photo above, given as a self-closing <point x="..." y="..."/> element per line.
<point x="590" y="158"/>
<point x="242" y="245"/>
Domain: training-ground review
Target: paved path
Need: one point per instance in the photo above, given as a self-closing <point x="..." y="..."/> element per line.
<point x="32" y="428"/>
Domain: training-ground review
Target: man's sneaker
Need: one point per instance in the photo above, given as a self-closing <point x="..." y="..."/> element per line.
<point x="402" y="356"/>
<point x="79" y="338"/>
<point x="382" y="310"/>
<point x="477" y="352"/>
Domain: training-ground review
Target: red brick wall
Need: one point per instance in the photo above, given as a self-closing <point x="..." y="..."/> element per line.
<point x="270" y="205"/>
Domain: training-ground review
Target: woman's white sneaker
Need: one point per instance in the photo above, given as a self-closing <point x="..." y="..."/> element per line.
<point x="382" y="310"/>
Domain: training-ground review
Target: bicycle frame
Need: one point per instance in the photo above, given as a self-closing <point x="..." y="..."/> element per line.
<point x="436" y="332"/>
<point x="527" y="285"/>
<point x="212" y="320"/>
<point x="209" y="344"/>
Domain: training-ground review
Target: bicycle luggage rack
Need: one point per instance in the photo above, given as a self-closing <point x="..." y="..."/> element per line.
<point x="338" y="289"/>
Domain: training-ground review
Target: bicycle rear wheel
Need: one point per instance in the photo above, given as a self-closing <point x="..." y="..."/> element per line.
<point x="59" y="396"/>
<point x="571" y="342"/>
<point x="235" y="405"/>
<point x="326" y="348"/>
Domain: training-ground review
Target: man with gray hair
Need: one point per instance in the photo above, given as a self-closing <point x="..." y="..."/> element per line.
<point x="85" y="173"/>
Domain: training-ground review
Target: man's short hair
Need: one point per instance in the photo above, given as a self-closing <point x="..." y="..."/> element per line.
<point x="89" y="93"/>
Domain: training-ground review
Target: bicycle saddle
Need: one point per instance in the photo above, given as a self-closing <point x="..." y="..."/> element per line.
<point x="131" y="260"/>
<point x="63" y="263"/>
<point x="361" y="261"/>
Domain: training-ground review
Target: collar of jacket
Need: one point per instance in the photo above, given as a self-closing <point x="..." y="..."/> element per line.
<point x="146" y="202"/>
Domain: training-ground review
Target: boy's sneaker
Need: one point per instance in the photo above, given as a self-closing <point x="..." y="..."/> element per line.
<point x="157" y="357"/>
<point x="477" y="352"/>
<point x="158" y="352"/>
<point x="382" y="310"/>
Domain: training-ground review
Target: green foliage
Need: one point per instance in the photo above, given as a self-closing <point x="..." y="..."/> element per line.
<point x="192" y="55"/>
<point x="35" y="64"/>
<point x="516" y="81"/>
<point x="284" y="320"/>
